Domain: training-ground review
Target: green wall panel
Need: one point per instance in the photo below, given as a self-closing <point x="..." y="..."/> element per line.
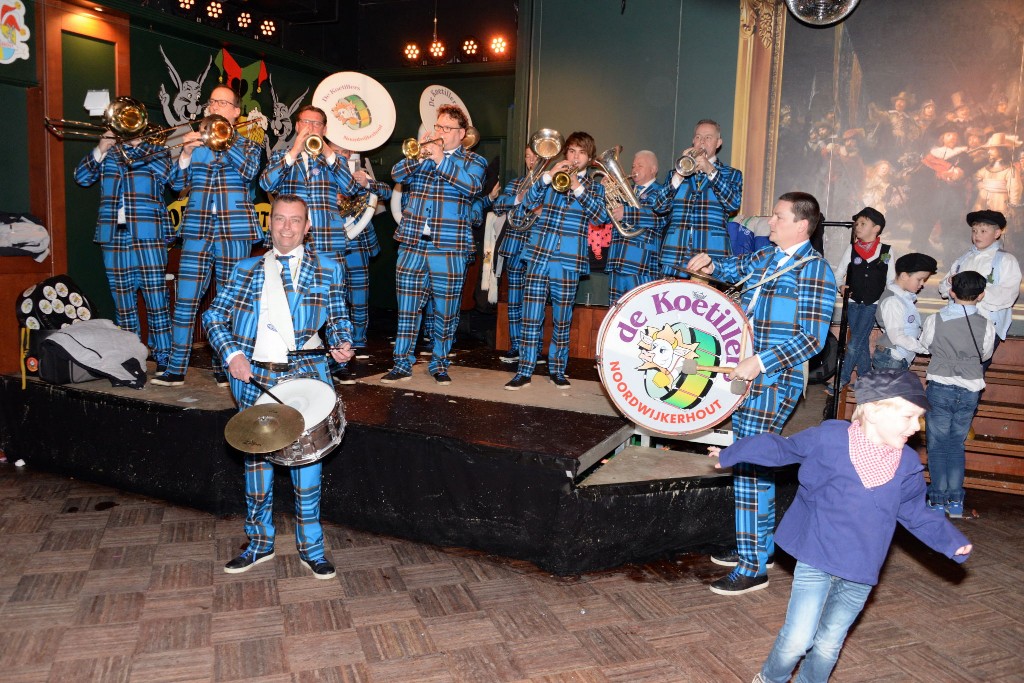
<point x="88" y="65"/>
<point x="14" y="171"/>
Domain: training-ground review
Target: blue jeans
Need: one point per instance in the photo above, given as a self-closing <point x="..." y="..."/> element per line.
<point x="946" y="427"/>
<point x="861" y="318"/>
<point x="821" y="609"/>
<point x="884" y="360"/>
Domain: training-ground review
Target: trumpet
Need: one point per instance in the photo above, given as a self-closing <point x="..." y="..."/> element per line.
<point x="561" y="181"/>
<point x="314" y="145"/>
<point x="686" y="165"/>
<point x="414" y="149"/>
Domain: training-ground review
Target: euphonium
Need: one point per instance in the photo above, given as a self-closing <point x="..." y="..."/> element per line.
<point x="686" y="165"/>
<point x="314" y="145"/>
<point x="561" y="181"/>
<point x="617" y="189"/>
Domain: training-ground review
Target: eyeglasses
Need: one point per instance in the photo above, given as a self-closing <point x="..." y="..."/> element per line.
<point x="313" y="123"/>
<point x="446" y="129"/>
<point x="220" y="103"/>
<point x="294" y="221"/>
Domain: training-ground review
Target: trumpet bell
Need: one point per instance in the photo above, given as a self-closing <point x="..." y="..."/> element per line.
<point x="314" y="145"/>
<point x="686" y="165"/>
<point x="562" y="180"/>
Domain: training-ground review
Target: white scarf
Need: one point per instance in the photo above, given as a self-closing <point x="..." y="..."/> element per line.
<point x="274" y="300"/>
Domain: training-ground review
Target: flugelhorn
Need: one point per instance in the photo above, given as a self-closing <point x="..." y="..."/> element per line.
<point x="686" y="165"/>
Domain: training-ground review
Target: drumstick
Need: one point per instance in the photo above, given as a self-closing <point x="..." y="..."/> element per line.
<point x="690" y="367"/>
<point x="252" y="380"/>
<point x="313" y="352"/>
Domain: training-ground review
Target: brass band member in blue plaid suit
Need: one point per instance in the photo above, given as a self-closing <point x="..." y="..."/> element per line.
<point x="435" y="238"/>
<point x="700" y="204"/>
<point x="511" y="249"/>
<point x="633" y="261"/>
<point x="132" y="228"/>
<point x="556" y="257"/>
<point x="273" y="304"/>
<point x="218" y="228"/>
<point x="790" y="316"/>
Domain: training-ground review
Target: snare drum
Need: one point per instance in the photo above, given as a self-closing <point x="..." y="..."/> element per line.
<point x="644" y="341"/>
<point x="323" y="413"/>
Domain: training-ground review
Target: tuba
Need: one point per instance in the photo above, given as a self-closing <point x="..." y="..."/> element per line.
<point x="617" y="189"/>
<point x="547" y="144"/>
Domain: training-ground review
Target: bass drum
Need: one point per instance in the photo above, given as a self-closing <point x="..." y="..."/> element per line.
<point x="647" y="337"/>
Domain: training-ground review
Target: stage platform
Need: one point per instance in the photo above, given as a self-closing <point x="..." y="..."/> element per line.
<point x="552" y="477"/>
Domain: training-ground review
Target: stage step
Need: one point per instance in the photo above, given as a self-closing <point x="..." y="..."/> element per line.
<point x="638" y="464"/>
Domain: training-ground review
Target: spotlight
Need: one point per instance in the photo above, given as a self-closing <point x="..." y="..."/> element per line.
<point x="186" y="5"/>
<point x="244" y="20"/>
<point x="437" y="50"/>
<point x="184" y="8"/>
<point x="412" y="52"/>
<point x="267" y="29"/>
<point x="470" y="48"/>
<point x="499" y="46"/>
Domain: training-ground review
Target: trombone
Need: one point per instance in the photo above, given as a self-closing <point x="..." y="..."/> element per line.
<point x="215" y="133"/>
<point x="125" y="117"/>
<point x="547" y="144"/>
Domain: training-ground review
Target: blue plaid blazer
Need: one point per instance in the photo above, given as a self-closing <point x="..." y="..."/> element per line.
<point x="793" y="312"/>
<point x="232" y="318"/>
<point x="220" y="192"/>
<point x="638" y="254"/>
<point x="440" y="195"/>
<point x="320" y="186"/>
<point x="562" y="228"/>
<point x="141" y="184"/>
<point x="512" y="240"/>
<point x="700" y="211"/>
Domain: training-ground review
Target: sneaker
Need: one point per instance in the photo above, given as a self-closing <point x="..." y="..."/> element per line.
<point x="955" y="509"/>
<point x="735" y="583"/>
<point x="221" y="378"/>
<point x="510" y="356"/>
<point x="442" y="377"/>
<point x="344" y="374"/>
<point x="731" y="558"/>
<point x="161" y="360"/>
<point x="168" y="379"/>
<point x="321" y="568"/>
<point x="936" y="507"/>
<point x="517" y="383"/>
<point x="559" y="381"/>
<point x="396" y="375"/>
<point x="759" y="678"/>
<point x="247" y="560"/>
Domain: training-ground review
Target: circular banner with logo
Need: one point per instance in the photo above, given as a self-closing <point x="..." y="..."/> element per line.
<point x="433" y="97"/>
<point x="649" y="340"/>
<point x="360" y="112"/>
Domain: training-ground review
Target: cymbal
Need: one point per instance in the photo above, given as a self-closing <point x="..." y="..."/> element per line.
<point x="264" y="428"/>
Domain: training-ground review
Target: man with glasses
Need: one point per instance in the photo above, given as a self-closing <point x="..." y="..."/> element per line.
<point x="218" y="228"/>
<point x="700" y="204"/>
<point x="318" y="179"/>
<point x="274" y="304"/>
<point x="435" y="238"/>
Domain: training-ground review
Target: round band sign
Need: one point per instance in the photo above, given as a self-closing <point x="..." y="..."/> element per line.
<point x="654" y="335"/>
<point x="360" y="112"/>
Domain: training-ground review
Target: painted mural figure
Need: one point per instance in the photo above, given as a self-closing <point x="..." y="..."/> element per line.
<point x="281" y="123"/>
<point x="184" y="107"/>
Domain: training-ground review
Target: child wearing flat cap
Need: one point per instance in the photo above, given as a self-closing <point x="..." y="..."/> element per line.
<point x="865" y="269"/>
<point x="897" y="314"/>
<point x="856" y="481"/>
<point x="1000" y="268"/>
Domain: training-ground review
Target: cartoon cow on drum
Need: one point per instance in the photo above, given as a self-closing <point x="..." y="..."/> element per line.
<point x="664" y="352"/>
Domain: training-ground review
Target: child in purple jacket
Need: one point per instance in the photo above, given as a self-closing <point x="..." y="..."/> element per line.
<point x="856" y="482"/>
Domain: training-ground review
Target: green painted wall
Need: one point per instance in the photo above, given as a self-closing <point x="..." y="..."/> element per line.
<point x="88" y="64"/>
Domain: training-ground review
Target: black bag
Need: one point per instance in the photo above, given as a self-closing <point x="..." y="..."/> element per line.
<point x="56" y="366"/>
<point x="822" y="368"/>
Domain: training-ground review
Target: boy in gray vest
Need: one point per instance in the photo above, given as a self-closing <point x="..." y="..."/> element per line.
<point x="897" y="314"/>
<point x="960" y="339"/>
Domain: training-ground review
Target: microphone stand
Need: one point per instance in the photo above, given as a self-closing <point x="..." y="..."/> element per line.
<point x="832" y="404"/>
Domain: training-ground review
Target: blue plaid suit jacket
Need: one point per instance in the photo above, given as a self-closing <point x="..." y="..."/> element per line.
<point x="793" y="312"/>
<point x="512" y="240"/>
<point x="638" y="254"/>
<point x="141" y="184"/>
<point x="232" y="318"/>
<point x="320" y="186"/>
<point x="441" y="196"/>
<point x="220" y="192"/>
<point x="562" y="228"/>
<point x="700" y="211"/>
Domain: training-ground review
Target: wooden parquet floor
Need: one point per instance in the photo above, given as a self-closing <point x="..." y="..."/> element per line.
<point x="100" y="585"/>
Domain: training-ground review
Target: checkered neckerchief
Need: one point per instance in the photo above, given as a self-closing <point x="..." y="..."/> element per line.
<point x="875" y="464"/>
